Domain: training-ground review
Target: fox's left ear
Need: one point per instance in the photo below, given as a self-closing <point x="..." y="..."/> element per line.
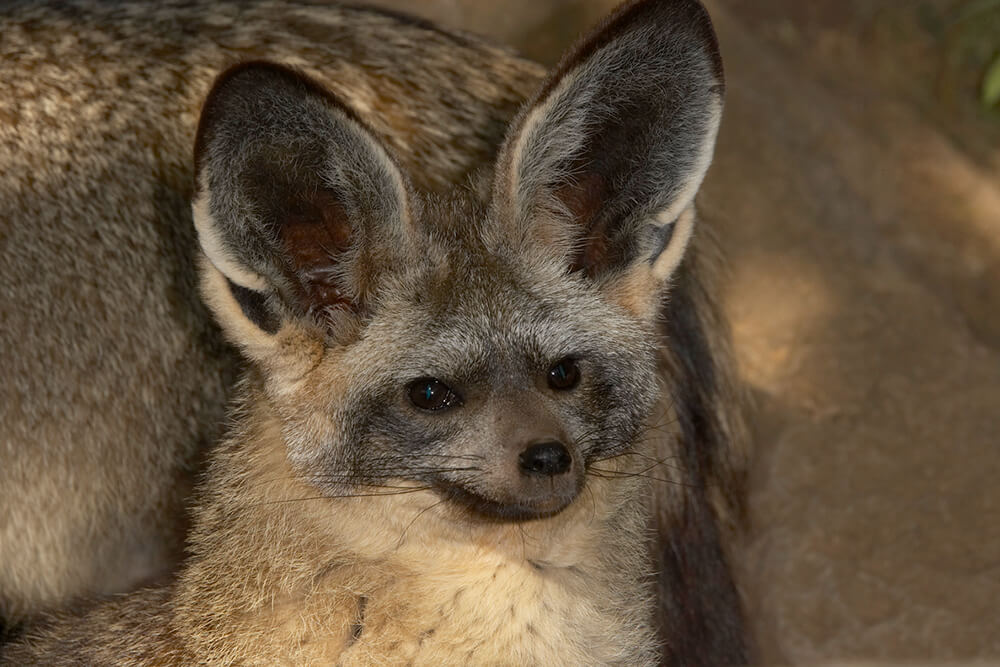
<point x="606" y="160"/>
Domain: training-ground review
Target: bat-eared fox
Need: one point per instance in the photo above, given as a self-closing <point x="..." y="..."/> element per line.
<point x="333" y="337"/>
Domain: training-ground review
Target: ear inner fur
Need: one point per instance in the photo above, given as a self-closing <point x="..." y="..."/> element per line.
<point x="315" y="231"/>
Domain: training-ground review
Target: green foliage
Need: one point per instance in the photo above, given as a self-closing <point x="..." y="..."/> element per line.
<point x="977" y="8"/>
<point x="990" y="90"/>
<point x="987" y="11"/>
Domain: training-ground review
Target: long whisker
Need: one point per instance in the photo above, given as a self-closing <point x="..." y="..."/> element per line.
<point x="371" y="475"/>
<point x="402" y="536"/>
<point x="611" y="474"/>
<point x="338" y="496"/>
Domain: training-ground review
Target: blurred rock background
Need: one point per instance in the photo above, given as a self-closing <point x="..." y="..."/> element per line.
<point x="856" y="191"/>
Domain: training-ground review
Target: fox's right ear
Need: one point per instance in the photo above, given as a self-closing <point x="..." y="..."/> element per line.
<point x="296" y="203"/>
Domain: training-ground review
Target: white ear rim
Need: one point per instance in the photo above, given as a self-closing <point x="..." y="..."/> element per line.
<point x="686" y="193"/>
<point x="216" y="292"/>
<point x="668" y="260"/>
<point x="681" y="211"/>
<point x="522" y="194"/>
<point x="211" y="242"/>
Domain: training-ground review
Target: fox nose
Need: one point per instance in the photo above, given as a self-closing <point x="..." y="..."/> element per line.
<point x="546" y="459"/>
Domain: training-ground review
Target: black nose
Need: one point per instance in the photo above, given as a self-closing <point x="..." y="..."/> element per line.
<point x="545" y="458"/>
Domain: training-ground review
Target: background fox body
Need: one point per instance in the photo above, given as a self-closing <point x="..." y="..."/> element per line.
<point x="461" y="380"/>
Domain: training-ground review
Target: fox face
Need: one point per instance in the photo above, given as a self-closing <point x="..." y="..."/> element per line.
<point x="484" y="375"/>
<point x="490" y="349"/>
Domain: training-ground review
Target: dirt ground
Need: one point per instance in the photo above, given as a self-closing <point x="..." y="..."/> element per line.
<point x="856" y="190"/>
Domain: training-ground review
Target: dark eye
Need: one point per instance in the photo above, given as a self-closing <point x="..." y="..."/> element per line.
<point x="564" y="375"/>
<point x="431" y="394"/>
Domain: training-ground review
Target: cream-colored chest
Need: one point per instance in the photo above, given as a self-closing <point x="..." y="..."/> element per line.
<point x="496" y="612"/>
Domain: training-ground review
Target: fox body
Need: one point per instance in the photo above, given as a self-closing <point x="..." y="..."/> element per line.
<point x="480" y="363"/>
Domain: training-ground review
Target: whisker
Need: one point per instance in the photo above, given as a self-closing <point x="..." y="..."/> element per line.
<point x="368" y="474"/>
<point x="612" y="474"/>
<point x="402" y="536"/>
<point x="655" y="461"/>
<point x="343" y="496"/>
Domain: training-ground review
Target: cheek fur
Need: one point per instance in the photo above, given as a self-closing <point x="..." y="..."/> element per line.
<point x="390" y="442"/>
<point x="613" y="407"/>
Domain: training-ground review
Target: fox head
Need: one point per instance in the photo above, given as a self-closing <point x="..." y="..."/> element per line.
<point x="488" y="349"/>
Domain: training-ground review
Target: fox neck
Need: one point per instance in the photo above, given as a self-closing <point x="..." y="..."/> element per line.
<point x="367" y="573"/>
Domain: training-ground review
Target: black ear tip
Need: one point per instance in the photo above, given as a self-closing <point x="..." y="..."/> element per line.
<point x="250" y="76"/>
<point x="244" y="76"/>
<point x="253" y="71"/>
<point x="244" y="81"/>
<point x="258" y="81"/>
<point x="676" y="16"/>
<point x="680" y="15"/>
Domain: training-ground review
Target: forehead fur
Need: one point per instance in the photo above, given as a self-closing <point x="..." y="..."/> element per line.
<point x="464" y="290"/>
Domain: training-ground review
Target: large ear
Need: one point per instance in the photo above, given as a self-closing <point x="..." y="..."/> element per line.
<point x="607" y="158"/>
<point x="296" y="204"/>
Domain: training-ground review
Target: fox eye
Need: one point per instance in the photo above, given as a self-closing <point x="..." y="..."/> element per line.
<point x="564" y="375"/>
<point x="431" y="394"/>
